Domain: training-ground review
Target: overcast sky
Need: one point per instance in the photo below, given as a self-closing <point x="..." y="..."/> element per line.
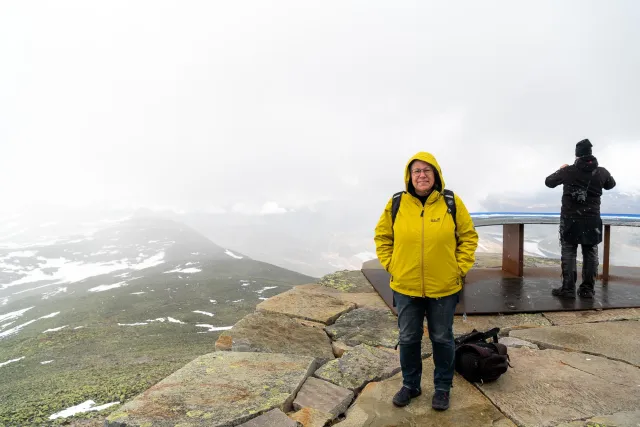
<point x="211" y="104"/>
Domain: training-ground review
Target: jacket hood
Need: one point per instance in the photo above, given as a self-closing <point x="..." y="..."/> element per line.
<point x="427" y="158"/>
<point x="587" y="163"/>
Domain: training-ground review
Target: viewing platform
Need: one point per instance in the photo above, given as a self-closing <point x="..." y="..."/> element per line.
<point x="515" y="288"/>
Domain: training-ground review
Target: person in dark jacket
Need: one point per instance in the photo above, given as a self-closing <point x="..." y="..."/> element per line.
<point x="580" y="222"/>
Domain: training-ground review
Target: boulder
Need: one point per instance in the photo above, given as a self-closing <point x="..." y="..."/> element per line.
<point x="276" y="333"/>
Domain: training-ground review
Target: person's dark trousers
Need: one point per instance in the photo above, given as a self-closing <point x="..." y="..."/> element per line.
<point x="439" y="313"/>
<point x="589" y="270"/>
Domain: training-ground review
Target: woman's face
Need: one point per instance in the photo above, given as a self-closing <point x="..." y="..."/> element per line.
<point x="422" y="177"/>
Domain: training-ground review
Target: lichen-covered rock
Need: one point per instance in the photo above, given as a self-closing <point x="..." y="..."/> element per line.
<point x="316" y="307"/>
<point x="359" y="366"/>
<point x="366" y="326"/>
<point x="323" y="396"/>
<point x="347" y="281"/>
<point x="276" y="333"/>
<point x="220" y="389"/>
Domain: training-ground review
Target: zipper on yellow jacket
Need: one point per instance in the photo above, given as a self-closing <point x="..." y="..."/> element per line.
<point x="422" y="252"/>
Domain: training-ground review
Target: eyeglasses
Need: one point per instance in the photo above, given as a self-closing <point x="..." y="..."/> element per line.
<point x="417" y="172"/>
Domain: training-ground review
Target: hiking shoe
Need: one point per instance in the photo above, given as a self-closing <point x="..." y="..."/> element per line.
<point x="404" y="396"/>
<point x="586" y="292"/>
<point x="440" y="400"/>
<point x="564" y="292"/>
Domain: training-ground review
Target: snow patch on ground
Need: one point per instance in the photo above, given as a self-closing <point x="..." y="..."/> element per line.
<point x="266" y="288"/>
<point x="213" y="328"/>
<point x="83" y="407"/>
<point x="206" y="313"/>
<point x="232" y="255"/>
<point x="184" y="270"/>
<point x="103" y="288"/>
<point x="55" y="329"/>
<point x="11" y="361"/>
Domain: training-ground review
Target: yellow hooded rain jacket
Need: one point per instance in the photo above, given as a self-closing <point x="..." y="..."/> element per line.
<point x="420" y="252"/>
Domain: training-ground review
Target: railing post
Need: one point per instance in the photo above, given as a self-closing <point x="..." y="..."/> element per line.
<point x="513" y="249"/>
<point x="607" y="249"/>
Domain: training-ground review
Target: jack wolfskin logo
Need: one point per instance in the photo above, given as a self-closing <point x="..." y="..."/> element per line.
<point x="435" y="219"/>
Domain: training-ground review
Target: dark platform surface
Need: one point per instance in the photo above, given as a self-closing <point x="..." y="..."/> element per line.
<point x="491" y="291"/>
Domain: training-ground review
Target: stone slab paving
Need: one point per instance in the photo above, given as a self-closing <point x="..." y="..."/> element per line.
<point x="359" y="366"/>
<point x="468" y="407"/>
<point x="276" y="333"/>
<point x="516" y="343"/>
<point x="548" y="387"/>
<point x="316" y="307"/>
<point x="361" y="299"/>
<point x="615" y="340"/>
<point x="366" y="326"/>
<point x="309" y="417"/>
<point x="347" y="281"/>
<point x="323" y="396"/>
<point x="506" y="323"/>
<point x="587" y="316"/>
<point x="621" y="419"/>
<point x="273" y="418"/>
<point x="220" y="389"/>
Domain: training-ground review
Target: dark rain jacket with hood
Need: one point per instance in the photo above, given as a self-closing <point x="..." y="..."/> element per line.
<point x="582" y="182"/>
<point x="420" y="251"/>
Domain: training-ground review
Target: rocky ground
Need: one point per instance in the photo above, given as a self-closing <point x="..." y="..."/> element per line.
<point x="323" y="354"/>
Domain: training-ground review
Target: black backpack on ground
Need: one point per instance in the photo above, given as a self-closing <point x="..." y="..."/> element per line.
<point x="478" y="360"/>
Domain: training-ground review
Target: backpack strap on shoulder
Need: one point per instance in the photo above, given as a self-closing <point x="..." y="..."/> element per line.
<point x="450" y="199"/>
<point x="395" y="205"/>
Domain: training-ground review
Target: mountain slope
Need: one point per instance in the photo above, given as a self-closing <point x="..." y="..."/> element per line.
<point x="103" y="317"/>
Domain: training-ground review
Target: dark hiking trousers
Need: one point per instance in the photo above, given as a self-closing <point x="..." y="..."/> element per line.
<point x="569" y="264"/>
<point x="439" y="314"/>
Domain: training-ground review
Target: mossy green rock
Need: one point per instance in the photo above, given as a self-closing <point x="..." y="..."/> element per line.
<point x="220" y="389"/>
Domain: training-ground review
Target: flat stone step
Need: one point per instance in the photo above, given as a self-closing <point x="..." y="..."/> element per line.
<point x="616" y="340"/>
<point x="359" y="366"/>
<point x="312" y="306"/>
<point x="276" y="333"/>
<point x="220" y="389"/>
<point x="468" y="407"/>
<point x="323" y="396"/>
<point x="548" y="387"/>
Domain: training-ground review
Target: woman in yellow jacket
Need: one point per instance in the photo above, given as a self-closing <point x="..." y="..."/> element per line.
<point x="427" y="256"/>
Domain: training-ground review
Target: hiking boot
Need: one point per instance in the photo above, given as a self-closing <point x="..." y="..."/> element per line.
<point x="568" y="288"/>
<point x="564" y="292"/>
<point x="404" y="396"/>
<point x="440" y="400"/>
<point x="586" y="291"/>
